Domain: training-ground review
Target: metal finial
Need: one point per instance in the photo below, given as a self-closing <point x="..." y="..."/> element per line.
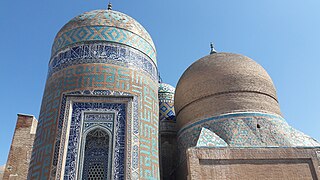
<point x="212" y="49"/>
<point x="160" y="79"/>
<point x="109" y="6"/>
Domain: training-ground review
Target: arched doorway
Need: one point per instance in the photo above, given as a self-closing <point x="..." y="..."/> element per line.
<point x="96" y="155"/>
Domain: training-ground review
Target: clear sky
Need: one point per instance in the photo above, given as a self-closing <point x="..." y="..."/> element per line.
<point x="283" y="36"/>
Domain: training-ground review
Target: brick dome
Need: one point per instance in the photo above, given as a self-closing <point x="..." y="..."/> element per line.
<point x="223" y="83"/>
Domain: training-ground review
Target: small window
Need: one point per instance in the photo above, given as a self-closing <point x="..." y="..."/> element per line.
<point x="95" y="165"/>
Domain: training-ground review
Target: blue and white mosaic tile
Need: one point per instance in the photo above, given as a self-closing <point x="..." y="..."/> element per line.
<point x="75" y="134"/>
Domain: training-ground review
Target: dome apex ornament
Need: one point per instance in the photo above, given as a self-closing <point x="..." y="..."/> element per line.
<point x="213" y="50"/>
<point x="109" y="6"/>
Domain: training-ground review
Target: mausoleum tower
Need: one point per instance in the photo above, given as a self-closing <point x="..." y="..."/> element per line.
<point x="100" y="110"/>
<point x="228" y="100"/>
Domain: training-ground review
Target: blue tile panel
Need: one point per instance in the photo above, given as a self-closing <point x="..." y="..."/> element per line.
<point x="245" y="130"/>
<point x="208" y="138"/>
<point x="103" y="34"/>
<point x="166" y="111"/>
<point x="98" y="96"/>
<point x="75" y="133"/>
<point x="107" y="53"/>
<point x="166" y="88"/>
<point x="107" y="18"/>
<point x="166" y="102"/>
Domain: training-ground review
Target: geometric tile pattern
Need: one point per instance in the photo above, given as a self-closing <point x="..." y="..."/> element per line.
<point x="208" y="138"/>
<point x="247" y="129"/>
<point x="97" y="54"/>
<point x="92" y="121"/>
<point x="107" y="18"/>
<point x="166" y="88"/>
<point x="166" y="92"/>
<point x="79" y="109"/>
<point x="103" y="53"/>
<point x="166" y="111"/>
<point x="97" y="142"/>
<point x="166" y="102"/>
<point x="98" y="77"/>
<point x="96" y="163"/>
<point x="167" y="129"/>
<point x="106" y="34"/>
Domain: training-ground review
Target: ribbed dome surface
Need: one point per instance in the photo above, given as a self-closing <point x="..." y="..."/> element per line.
<point x="105" y="25"/>
<point x="224" y="83"/>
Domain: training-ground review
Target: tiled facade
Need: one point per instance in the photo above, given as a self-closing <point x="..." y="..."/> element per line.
<point x="107" y="18"/>
<point x="104" y="113"/>
<point x="246" y="129"/>
<point x="208" y="138"/>
<point x="101" y="33"/>
<point x="228" y="101"/>
<point x="167" y="131"/>
<point x="105" y="25"/>
<point x="166" y="102"/>
<point x="102" y="62"/>
<point x="102" y="52"/>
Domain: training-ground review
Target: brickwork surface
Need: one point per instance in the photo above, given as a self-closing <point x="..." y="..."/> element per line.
<point x="168" y="155"/>
<point x="1" y="171"/>
<point x="252" y="163"/>
<point x="21" y="148"/>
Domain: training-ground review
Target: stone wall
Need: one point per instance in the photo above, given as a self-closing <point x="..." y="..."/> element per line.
<point x="252" y="163"/>
<point x="168" y="150"/>
<point x="21" y="148"/>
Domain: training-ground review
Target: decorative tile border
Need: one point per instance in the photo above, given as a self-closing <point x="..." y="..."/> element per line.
<point x="119" y="133"/>
<point x="109" y="53"/>
<point x="166" y="111"/>
<point x="98" y="79"/>
<point x="245" y="129"/>
<point x="166" y="88"/>
<point x="103" y="33"/>
<point x="107" y="18"/>
<point x="228" y="116"/>
<point x="166" y="102"/>
<point x="131" y="130"/>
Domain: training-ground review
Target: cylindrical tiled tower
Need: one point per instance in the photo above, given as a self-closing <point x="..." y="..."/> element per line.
<point x="100" y="110"/>
<point x="167" y="131"/>
<point x="166" y="100"/>
<point x="227" y="99"/>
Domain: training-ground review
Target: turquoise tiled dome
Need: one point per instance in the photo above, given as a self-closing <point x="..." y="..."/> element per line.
<point x="105" y="25"/>
<point x="166" y="88"/>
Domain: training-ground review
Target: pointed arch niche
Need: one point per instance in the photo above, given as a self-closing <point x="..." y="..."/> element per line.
<point x="96" y="128"/>
<point x="96" y="155"/>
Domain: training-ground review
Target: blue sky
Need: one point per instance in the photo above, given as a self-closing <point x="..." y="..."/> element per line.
<point x="283" y="36"/>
